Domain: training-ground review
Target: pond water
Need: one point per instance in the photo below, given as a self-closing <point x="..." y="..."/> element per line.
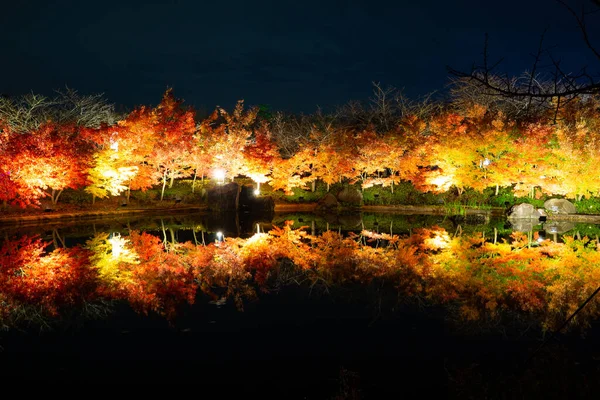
<point x="367" y="305"/>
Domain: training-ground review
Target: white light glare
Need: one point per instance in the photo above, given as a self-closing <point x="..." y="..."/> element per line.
<point x="219" y="175"/>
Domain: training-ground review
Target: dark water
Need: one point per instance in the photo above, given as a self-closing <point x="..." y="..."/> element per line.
<point x="355" y="341"/>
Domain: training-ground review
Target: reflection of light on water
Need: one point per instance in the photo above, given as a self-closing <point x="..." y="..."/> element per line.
<point x="220" y="238"/>
<point x="257" y="237"/>
<point x="117" y="245"/>
<point x="441" y="240"/>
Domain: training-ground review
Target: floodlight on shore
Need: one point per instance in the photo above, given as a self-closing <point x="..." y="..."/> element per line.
<point x="219" y="175"/>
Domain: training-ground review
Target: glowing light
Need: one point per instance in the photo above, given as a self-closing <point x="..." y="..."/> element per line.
<point x="117" y="245"/>
<point x="485" y="162"/>
<point x="442" y="182"/>
<point x="256" y="192"/>
<point x="219" y="175"/>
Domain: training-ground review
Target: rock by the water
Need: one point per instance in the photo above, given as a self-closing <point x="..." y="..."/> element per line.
<point x="224" y="197"/>
<point x="525" y="211"/>
<point x="560" y="206"/>
<point x="351" y="196"/>
<point x="328" y="202"/>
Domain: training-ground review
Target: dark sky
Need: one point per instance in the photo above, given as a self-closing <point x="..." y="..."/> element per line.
<point x="294" y="56"/>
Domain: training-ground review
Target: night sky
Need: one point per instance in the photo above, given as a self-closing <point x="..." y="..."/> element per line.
<point x="293" y="56"/>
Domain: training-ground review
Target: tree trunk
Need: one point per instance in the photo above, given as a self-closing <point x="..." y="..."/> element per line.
<point x="497" y="189"/>
<point x="313" y="186"/>
<point x="392" y="187"/>
<point x="162" y="193"/>
<point x="328" y="188"/>
<point x="93" y="199"/>
<point x="194" y="181"/>
<point x="171" y="182"/>
<point x="55" y="195"/>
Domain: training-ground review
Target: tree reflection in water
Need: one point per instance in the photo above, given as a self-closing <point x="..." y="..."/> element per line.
<point x="541" y="280"/>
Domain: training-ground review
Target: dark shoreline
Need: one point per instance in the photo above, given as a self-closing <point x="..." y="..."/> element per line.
<point x="18" y="219"/>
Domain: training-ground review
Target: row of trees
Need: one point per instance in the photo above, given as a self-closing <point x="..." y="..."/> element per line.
<point x="433" y="146"/>
<point x="546" y="282"/>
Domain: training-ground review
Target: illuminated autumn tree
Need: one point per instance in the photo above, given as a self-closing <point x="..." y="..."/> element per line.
<point x="202" y="153"/>
<point x="333" y="157"/>
<point x="117" y="161"/>
<point x="259" y="156"/>
<point x="292" y="172"/>
<point x="576" y="156"/>
<point x="530" y="166"/>
<point x="236" y="128"/>
<point x="50" y="158"/>
<point x="371" y="157"/>
<point x="173" y="139"/>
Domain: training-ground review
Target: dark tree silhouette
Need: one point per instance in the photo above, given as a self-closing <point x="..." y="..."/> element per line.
<point x="536" y="89"/>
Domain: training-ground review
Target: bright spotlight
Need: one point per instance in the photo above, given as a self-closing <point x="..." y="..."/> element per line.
<point x="220" y="175"/>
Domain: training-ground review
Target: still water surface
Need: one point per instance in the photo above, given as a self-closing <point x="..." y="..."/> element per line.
<point x="339" y="331"/>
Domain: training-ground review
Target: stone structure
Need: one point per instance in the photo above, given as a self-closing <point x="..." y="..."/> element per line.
<point x="224" y="197"/>
<point x="328" y="203"/>
<point x="525" y="211"/>
<point x="350" y="196"/>
<point x="560" y="206"/>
